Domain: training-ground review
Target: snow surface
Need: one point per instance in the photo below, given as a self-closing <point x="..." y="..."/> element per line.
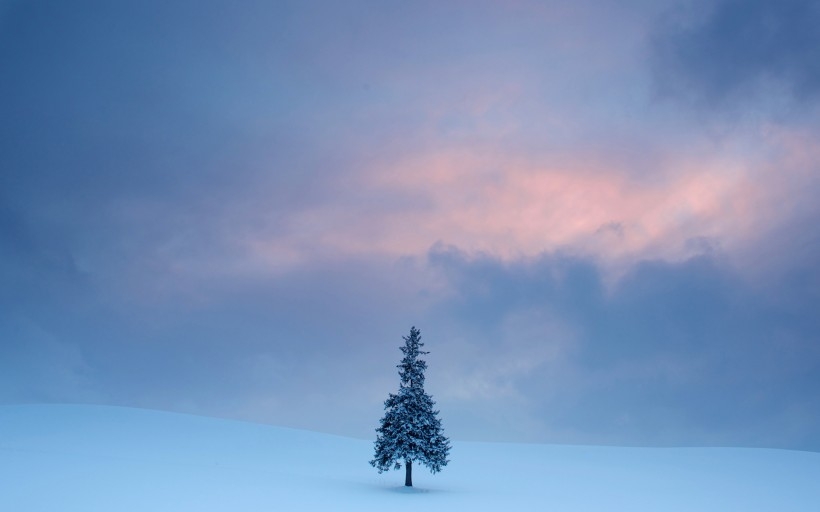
<point x="59" y="458"/>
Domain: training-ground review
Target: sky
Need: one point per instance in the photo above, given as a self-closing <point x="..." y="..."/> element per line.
<point x="601" y="215"/>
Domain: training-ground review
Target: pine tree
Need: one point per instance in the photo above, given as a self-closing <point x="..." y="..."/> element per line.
<point x="410" y="429"/>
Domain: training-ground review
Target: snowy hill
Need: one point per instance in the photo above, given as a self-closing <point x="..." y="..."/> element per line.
<point x="59" y="458"/>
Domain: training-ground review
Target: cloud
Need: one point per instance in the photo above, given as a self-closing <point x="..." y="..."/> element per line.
<point x="736" y="48"/>
<point x="158" y="158"/>
<point x="232" y="213"/>
<point x="728" y="194"/>
<point x="677" y="353"/>
<point x="37" y="367"/>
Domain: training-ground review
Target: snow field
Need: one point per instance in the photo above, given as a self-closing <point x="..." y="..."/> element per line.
<point x="64" y="458"/>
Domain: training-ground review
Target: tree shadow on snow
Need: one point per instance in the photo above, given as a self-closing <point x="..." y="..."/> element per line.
<point x="400" y="489"/>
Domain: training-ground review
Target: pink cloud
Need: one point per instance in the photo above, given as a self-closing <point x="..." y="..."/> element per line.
<point x="516" y="206"/>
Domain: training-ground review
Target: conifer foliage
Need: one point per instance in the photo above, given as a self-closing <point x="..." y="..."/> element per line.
<point x="410" y="429"/>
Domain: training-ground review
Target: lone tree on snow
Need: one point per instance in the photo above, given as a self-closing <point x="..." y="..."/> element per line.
<point x="410" y="429"/>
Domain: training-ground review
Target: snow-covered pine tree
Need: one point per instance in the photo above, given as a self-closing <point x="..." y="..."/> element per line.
<point x="410" y="429"/>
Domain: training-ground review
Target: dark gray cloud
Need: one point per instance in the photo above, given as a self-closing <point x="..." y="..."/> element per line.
<point x="676" y="353"/>
<point x="733" y="48"/>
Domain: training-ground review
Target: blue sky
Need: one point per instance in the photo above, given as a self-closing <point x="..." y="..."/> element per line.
<point x="601" y="215"/>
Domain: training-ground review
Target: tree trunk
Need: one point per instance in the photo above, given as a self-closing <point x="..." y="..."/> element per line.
<point x="408" y="473"/>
